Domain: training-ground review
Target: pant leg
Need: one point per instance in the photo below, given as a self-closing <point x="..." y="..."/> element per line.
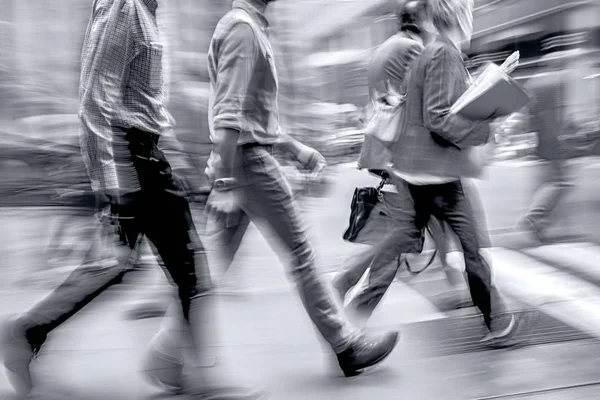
<point x="354" y="269"/>
<point x="84" y="284"/>
<point x="165" y="217"/>
<point x="452" y="205"/>
<point x="409" y="230"/>
<point x="479" y="214"/>
<point x="440" y="237"/>
<point x="268" y="202"/>
<point x="399" y="209"/>
<point x="223" y="242"/>
<point x="554" y="188"/>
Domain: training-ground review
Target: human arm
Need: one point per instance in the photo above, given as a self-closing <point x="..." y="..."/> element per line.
<point x="310" y="158"/>
<point x="439" y="95"/>
<point x="237" y="55"/>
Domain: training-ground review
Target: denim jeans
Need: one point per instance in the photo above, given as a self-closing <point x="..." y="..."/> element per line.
<point x="448" y="203"/>
<point x="159" y="211"/>
<point x="554" y="187"/>
<point x="268" y="203"/>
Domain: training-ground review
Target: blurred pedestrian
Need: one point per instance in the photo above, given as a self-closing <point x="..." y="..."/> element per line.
<point x="122" y="119"/>
<point x="548" y="118"/>
<point x="430" y="159"/>
<point x="387" y="78"/>
<point x="248" y="183"/>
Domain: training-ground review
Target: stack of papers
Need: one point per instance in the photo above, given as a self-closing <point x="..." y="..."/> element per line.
<point x="493" y="94"/>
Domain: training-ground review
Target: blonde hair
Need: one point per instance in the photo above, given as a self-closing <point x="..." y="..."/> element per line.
<point x="448" y="15"/>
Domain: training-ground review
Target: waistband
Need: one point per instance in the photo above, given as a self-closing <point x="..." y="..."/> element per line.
<point x="267" y="147"/>
<point x="141" y="134"/>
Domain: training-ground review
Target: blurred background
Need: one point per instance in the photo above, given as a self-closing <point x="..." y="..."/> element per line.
<point x="322" y="51"/>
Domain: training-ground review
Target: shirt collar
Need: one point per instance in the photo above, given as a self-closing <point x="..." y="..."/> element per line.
<point x="151" y="4"/>
<point x="256" y="8"/>
<point x="447" y="40"/>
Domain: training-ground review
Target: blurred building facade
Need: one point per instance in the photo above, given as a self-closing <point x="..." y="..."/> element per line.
<point x="323" y="48"/>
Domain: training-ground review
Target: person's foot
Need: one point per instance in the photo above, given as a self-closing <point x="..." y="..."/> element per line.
<point x="16" y="353"/>
<point x="164" y="372"/>
<point x="210" y="384"/>
<point x="526" y="224"/>
<point x="505" y="335"/>
<point x="454" y="299"/>
<point x="366" y="353"/>
<point x="142" y="309"/>
<point x="231" y="392"/>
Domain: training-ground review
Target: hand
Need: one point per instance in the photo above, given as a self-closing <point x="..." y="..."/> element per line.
<point x="190" y="180"/>
<point x="224" y="207"/>
<point x="211" y="167"/>
<point x="112" y="204"/>
<point x="312" y="160"/>
<point x="511" y="63"/>
<point x="105" y="198"/>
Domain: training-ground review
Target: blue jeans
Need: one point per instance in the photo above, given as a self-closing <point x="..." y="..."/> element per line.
<point x="554" y="187"/>
<point x="267" y="201"/>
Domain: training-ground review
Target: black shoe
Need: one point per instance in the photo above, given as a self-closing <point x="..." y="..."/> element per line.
<point x="366" y="353"/>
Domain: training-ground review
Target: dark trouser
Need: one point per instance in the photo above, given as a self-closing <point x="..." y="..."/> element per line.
<point x="445" y="239"/>
<point x="159" y="211"/>
<point x="448" y="203"/>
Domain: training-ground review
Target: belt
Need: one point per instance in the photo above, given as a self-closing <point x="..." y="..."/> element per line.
<point x="257" y="145"/>
<point x="143" y="135"/>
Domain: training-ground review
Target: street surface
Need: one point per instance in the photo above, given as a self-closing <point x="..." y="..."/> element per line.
<point x="269" y="340"/>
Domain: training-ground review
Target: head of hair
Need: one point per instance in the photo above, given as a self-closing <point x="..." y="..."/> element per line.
<point x="448" y="15"/>
<point x="411" y="14"/>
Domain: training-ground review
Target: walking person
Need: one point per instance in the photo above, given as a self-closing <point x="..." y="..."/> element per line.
<point x="548" y="118"/>
<point x="122" y="119"/>
<point x="387" y="77"/>
<point x="248" y="183"/>
<point x="429" y="161"/>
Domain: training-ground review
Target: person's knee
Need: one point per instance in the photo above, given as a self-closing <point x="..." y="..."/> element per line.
<point x="303" y="260"/>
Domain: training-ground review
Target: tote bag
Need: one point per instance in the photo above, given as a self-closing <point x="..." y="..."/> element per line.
<point x="381" y="132"/>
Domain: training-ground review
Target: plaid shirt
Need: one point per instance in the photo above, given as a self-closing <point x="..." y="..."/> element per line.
<point x="121" y="87"/>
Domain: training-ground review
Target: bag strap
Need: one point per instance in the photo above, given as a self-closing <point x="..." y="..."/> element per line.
<point x="429" y="263"/>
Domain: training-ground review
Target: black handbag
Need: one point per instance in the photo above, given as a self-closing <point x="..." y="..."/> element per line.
<point x="363" y="202"/>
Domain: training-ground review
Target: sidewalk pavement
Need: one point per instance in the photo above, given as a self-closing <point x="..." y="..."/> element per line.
<point x="269" y="340"/>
